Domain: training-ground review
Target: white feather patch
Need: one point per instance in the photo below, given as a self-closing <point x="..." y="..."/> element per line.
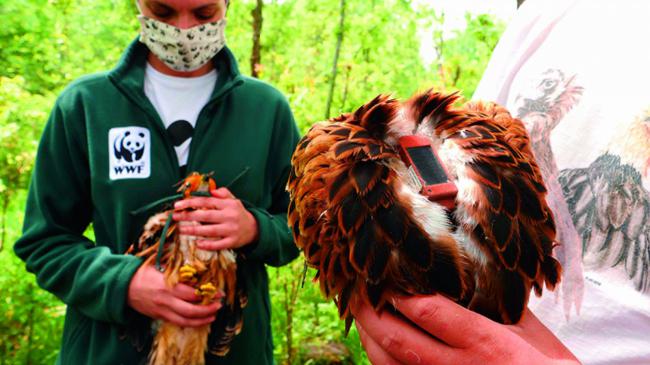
<point x="399" y="127"/>
<point x="456" y="160"/>
<point x="431" y="215"/>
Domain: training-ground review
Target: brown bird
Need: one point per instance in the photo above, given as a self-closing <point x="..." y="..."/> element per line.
<point x="357" y="213"/>
<point x="207" y="271"/>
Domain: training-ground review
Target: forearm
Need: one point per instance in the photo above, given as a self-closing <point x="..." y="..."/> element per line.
<point x="89" y="278"/>
<point x="59" y="208"/>
<point x="274" y="245"/>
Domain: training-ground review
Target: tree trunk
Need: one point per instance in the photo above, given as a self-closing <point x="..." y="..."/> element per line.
<point x="348" y="68"/>
<point x="339" y="42"/>
<point x="519" y="2"/>
<point x="439" y="45"/>
<point x="256" y="55"/>
<point x="457" y="74"/>
<point x="290" y="297"/>
<point x="289" y="329"/>
<point x="5" y="205"/>
<point x="30" y="326"/>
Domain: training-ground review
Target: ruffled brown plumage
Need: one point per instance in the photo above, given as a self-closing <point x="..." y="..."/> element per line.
<point x="367" y="230"/>
<point x="206" y="271"/>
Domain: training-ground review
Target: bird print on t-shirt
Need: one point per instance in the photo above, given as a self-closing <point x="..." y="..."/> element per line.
<point x="610" y="204"/>
<point x="542" y="107"/>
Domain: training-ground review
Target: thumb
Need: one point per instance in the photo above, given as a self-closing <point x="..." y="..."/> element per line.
<point x="222" y="193"/>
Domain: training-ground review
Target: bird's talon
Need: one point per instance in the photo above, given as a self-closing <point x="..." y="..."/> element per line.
<point x="207" y="290"/>
<point x="187" y="274"/>
<point x="187" y="268"/>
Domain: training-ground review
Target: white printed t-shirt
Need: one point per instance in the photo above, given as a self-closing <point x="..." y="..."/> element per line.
<point x="178" y="101"/>
<point x="577" y="73"/>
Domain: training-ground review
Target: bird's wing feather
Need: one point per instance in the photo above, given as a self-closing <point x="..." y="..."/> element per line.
<point x="501" y="196"/>
<point x="230" y="318"/>
<point x="349" y="215"/>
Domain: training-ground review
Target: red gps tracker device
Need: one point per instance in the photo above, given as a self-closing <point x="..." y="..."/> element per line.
<point x="427" y="170"/>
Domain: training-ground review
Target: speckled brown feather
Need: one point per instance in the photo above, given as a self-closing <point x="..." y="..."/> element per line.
<point x="177" y="345"/>
<point x="356" y="224"/>
<point x="508" y="217"/>
<point x="350" y="219"/>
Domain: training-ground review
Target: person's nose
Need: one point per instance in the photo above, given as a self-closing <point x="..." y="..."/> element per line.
<point x="186" y="21"/>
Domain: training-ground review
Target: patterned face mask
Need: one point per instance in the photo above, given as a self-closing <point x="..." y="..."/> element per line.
<point x="183" y="49"/>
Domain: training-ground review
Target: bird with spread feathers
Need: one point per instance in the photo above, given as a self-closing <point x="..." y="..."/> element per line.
<point x="208" y="272"/>
<point x="364" y="227"/>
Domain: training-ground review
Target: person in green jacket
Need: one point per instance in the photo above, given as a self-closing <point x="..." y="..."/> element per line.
<point x="118" y="140"/>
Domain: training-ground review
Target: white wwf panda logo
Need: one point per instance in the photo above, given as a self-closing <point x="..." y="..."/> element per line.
<point x="130" y="146"/>
<point x="129" y="152"/>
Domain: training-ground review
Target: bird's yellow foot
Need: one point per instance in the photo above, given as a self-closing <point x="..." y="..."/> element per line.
<point x="187" y="274"/>
<point x="207" y="291"/>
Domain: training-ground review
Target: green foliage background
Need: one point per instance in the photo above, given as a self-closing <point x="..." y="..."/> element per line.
<point x="45" y="44"/>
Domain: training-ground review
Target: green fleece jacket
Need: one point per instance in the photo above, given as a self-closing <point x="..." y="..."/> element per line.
<point x="105" y="153"/>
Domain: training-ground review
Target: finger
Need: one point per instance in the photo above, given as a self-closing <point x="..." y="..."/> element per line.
<point x="200" y="203"/>
<point x="375" y="353"/>
<point x="451" y="323"/>
<point x="222" y="193"/>
<point x="401" y="340"/>
<point x="189" y="310"/>
<point x="214" y="245"/>
<point x="171" y="316"/>
<point x="188" y="294"/>
<point x="210" y="231"/>
<point x="202" y="215"/>
<point x="185" y="292"/>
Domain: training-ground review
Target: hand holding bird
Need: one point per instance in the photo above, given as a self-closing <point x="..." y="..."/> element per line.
<point x="364" y="226"/>
<point x="150" y="295"/>
<point x="225" y="222"/>
<point x="199" y="296"/>
<point x="446" y="333"/>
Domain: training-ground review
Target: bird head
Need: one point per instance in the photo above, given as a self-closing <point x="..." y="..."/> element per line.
<point x="541" y="92"/>
<point x="195" y="182"/>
